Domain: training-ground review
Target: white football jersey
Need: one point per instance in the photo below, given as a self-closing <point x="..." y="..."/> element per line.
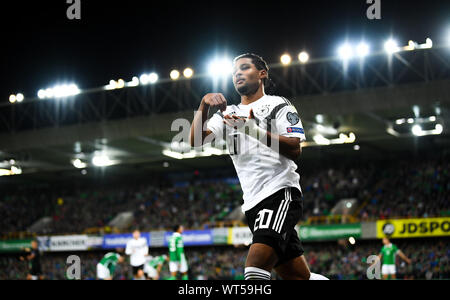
<point x="137" y="249"/>
<point x="262" y="171"/>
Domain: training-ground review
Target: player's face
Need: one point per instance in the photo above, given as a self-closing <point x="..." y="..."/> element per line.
<point x="385" y="241"/>
<point x="136" y="234"/>
<point x="34" y="245"/>
<point x="246" y="77"/>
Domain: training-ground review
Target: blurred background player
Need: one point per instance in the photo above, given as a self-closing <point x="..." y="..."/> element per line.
<point x="178" y="262"/>
<point x="153" y="266"/>
<point x="388" y="254"/>
<point x="34" y="262"/>
<point x="107" y="265"/>
<point x="137" y="248"/>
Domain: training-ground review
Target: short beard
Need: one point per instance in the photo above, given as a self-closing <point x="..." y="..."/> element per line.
<point x="247" y="89"/>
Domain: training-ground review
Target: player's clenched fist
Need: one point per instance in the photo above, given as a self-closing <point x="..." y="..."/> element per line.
<point x="215" y="100"/>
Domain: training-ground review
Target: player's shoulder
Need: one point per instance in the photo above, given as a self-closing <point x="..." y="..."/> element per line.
<point x="277" y="100"/>
<point x="268" y="106"/>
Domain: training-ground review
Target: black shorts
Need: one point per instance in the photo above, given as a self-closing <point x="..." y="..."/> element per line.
<point x="136" y="269"/>
<point x="35" y="271"/>
<point x="273" y="221"/>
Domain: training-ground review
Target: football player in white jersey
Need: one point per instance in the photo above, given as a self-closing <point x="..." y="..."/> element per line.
<point x="263" y="134"/>
<point x="137" y="248"/>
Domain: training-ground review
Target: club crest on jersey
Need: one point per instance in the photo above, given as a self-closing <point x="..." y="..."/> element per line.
<point x="262" y="111"/>
<point x="293" y="118"/>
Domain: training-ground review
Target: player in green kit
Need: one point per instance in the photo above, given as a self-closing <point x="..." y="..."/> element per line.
<point x="388" y="253"/>
<point x="107" y="265"/>
<point x="178" y="261"/>
<point x="153" y="266"/>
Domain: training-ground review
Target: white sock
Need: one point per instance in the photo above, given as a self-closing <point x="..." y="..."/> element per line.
<point x="315" y="276"/>
<point x="252" y="273"/>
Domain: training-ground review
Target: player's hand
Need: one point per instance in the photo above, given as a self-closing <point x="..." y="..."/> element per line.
<point x="215" y="100"/>
<point x="409" y="261"/>
<point x="234" y="121"/>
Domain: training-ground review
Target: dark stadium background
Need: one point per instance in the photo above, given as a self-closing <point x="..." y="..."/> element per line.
<point x="405" y="178"/>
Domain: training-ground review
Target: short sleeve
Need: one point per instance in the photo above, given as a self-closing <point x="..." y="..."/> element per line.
<point x="289" y="124"/>
<point x="395" y="249"/>
<point x="215" y="124"/>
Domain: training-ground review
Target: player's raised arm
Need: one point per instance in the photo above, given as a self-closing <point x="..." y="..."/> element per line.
<point x="199" y="133"/>
<point x="403" y="256"/>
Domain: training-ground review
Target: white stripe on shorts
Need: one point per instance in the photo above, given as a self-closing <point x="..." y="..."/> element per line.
<point x="285" y="211"/>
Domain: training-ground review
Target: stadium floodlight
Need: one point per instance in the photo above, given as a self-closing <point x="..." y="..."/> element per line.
<point x="438" y="129"/>
<point x="391" y="46"/>
<point x="12" y="98"/>
<point x="416" y="110"/>
<point x="285" y="59"/>
<point x="303" y="57"/>
<point x="49" y="93"/>
<point x="417" y="130"/>
<point x="188" y="72"/>
<point x="112" y="85"/>
<point x="448" y="38"/>
<point x="326" y="129"/>
<point x="220" y="67"/>
<point x="345" y="52"/>
<point x="362" y="50"/>
<point x="174" y="74"/>
<point x="134" y="82"/>
<point x="432" y="119"/>
<point x="319" y="118"/>
<point x="410" y="120"/>
<point x="400" y="121"/>
<point x="65" y="90"/>
<point x="77" y="163"/>
<point x="428" y="44"/>
<point x="41" y="94"/>
<point x="320" y="140"/>
<point x="101" y="161"/>
<point x="16" y="170"/>
<point x="153" y="78"/>
<point x="120" y="83"/>
<point x="356" y="147"/>
<point x="351" y="138"/>
<point x="172" y="154"/>
<point x="411" y="46"/>
<point x="19" y="97"/>
<point x="144" y="79"/>
<point x="5" y="172"/>
<point x="208" y="151"/>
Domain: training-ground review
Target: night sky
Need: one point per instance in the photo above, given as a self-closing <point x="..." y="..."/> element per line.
<point x="121" y="39"/>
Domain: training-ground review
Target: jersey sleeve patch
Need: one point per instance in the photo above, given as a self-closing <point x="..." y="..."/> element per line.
<point x="295" y="130"/>
<point x="293" y="118"/>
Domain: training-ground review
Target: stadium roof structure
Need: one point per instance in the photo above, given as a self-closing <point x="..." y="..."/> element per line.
<point x="378" y="100"/>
